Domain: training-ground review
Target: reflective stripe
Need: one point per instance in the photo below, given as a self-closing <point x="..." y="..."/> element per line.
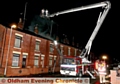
<point x="102" y="70"/>
<point x="96" y="65"/>
<point x="101" y="73"/>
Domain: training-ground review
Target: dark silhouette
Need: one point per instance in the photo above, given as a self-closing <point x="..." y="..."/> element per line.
<point x="118" y="72"/>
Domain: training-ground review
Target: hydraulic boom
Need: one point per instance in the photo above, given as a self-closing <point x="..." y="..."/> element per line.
<point x="106" y="5"/>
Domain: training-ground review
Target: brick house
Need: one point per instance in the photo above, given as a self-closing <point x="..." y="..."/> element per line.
<point x="29" y="54"/>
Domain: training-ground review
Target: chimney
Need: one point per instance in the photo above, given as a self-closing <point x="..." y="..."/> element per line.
<point x="42" y="13"/>
<point x="46" y="13"/>
<point x="20" y="24"/>
<point x="57" y="38"/>
<point x="36" y="29"/>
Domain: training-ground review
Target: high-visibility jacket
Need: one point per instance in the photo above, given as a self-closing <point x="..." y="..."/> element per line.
<point x="96" y="65"/>
<point x="102" y="70"/>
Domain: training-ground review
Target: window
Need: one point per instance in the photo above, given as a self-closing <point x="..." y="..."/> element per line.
<point x="42" y="61"/>
<point x="24" y="61"/>
<point x="61" y="49"/>
<point x="55" y="59"/>
<point x="50" y="61"/>
<point x="68" y="61"/>
<point x="36" y="61"/>
<point x="68" y="51"/>
<point x="51" y="48"/>
<point x="75" y="53"/>
<point x="18" y="40"/>
<point x="15" y="60"/>
<point x="37" y="45"/>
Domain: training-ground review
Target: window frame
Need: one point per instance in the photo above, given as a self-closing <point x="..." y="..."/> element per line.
<point x="37" y="60"/>
<point x="25" y="59"/>
<point x="15" y="61"/>
<point x="50" y="60"/>
<point x="69" y="53"/>
<point x="61" y="49"/>
<point x="42" y="57"/>
<point x="17" y="38"/>
<point x="37" y="45"/>
<point x="51" y="48"/>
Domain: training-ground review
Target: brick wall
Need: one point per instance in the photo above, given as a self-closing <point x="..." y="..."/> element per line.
<point x="2" y="43"/>
<point x="1" y="71"/>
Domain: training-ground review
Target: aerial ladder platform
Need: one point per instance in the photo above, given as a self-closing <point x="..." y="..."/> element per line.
<point x="105" y="5"/>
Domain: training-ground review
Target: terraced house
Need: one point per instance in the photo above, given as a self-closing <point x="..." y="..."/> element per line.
<point x="28" y="54"/>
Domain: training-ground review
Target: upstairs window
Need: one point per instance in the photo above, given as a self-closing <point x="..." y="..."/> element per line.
<point x="61" y="49"/>
<point x="37" y="45"/>
<point x="18" y="40"/>
<point x="68" y="51"/>
<point x="51" y="48"/>
<point x="75" y="53"/>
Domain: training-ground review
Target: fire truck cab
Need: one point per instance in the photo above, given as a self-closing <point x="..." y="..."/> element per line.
<point x="70" y="65"/>
<point x="73" y="66"/>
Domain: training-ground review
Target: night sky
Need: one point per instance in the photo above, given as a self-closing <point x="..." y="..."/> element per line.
<point x="78" y="24"/>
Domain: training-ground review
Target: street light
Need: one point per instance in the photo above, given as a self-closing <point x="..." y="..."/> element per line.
<point x="13" y="26"/>
<point x="55" y="42"/>
<point x="104" y="57"/>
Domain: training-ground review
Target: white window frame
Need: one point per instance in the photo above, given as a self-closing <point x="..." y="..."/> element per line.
<point x="61" y="49"/>
<point x="37" y="46"/>
<point x="69" y="51"/>
<point x="24" y="56"/>
<point x="36" y="58"/>
<point x="75" y="53"/>
<point x="51" y="49"/>
<point x="15" y="61"/>
<point x="50" y="60"/>
<point x="18" y="41"/>
<point x="55" y="57"/>
<point x="42" y="60"/>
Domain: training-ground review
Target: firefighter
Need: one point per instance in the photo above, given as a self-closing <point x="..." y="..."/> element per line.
<point x="96" y="64"/>
<point x="96" y="67"/>
<point x="102" y="72"/>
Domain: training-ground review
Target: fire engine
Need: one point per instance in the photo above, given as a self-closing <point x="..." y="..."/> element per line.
<point x="79" y="65"/>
